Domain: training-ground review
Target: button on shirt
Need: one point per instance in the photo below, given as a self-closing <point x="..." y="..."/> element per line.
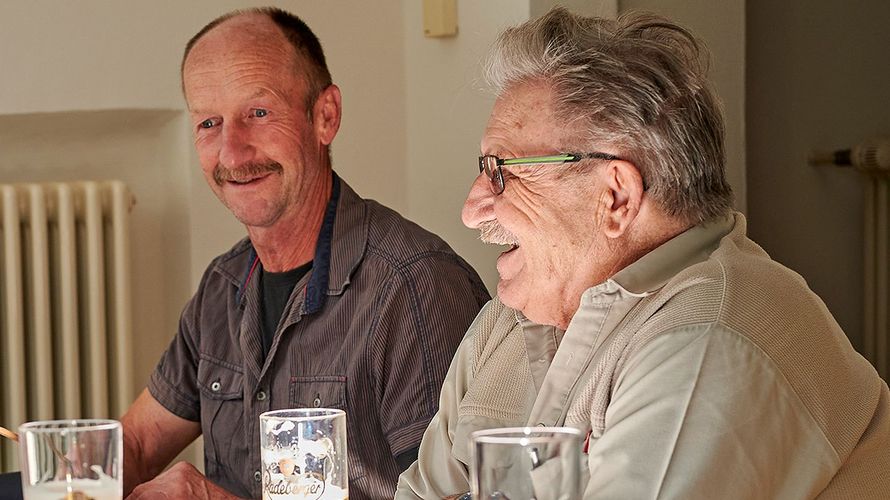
<point x="371" y="330"/>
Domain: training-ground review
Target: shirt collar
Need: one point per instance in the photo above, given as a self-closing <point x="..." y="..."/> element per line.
<point x="346" y="221"/>
<point x="656" y="268"/>
<point x="321" y="263"/>
<point x="653" y="270"/>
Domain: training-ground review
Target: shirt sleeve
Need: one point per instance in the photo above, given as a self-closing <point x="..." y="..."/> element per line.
<point x="421" y="318"/>
<point x="702" y="412"/>
<point x="174" y="380"/>
<point x="437" y="473"/>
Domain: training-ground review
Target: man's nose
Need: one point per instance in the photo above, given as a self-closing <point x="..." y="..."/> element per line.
<point x="479" y="205"/>
<point x="236" y="148"/>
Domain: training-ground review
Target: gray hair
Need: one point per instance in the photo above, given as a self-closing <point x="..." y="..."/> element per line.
<point x="637" y="84"/>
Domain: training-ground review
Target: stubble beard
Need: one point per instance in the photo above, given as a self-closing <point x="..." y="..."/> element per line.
<point x="222" y="175"/>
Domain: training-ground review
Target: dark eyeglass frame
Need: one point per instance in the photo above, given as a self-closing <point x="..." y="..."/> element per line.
<point x="491" y="164"/>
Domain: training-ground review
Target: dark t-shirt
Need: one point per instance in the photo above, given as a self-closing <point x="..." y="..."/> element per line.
<point x="277" y="288"/>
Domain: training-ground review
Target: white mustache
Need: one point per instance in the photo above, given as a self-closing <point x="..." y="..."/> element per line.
<point x="491" y="231"/>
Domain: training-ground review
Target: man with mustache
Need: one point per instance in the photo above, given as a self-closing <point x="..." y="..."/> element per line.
<point x="631" y="304"/>
<point x="331" y="301"/>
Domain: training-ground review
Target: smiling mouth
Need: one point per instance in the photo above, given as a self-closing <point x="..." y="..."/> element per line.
<point x="242" y="182"/>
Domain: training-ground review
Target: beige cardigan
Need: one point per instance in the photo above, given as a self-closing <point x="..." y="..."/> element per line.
<point x="703" y="370"/>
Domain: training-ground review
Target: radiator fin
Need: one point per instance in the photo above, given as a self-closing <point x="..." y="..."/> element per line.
<point x="65" y="308"/>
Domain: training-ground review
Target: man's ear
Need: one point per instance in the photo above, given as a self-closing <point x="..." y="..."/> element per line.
<point x="326" y="114"/>
<point x="625" y="194"/>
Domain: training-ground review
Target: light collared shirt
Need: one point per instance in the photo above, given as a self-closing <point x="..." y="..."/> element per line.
<point x="703" y="370"/>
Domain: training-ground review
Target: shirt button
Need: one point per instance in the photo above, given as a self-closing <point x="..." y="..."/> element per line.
<point x="257" y="476"/>
<point x="261" y="396"/>
<point x="215" y="386"/>
<point x="317" y="402"/>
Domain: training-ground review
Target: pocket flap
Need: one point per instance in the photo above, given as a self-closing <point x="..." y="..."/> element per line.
<point x="219" y="380"/>
<point x="318" y="392"/>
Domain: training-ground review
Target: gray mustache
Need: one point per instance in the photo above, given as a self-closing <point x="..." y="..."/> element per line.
<point x="492" y="232"/>
<point x="250" y="170"/>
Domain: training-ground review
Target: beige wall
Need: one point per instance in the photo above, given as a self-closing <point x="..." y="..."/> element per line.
<point x="818" y="75"/>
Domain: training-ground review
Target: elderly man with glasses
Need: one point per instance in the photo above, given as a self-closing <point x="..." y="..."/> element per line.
<point x="631" y="304"/>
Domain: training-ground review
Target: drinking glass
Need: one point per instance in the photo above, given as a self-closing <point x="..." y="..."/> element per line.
<point x="539" y="463"/>
<point x="303" y="454"/>
<point x="74" y="459"/>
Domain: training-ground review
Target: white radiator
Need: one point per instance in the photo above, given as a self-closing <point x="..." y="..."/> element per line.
<point x="876" y="341"/>
<point x="65" y="308"/>
<point x="872" y="158"/>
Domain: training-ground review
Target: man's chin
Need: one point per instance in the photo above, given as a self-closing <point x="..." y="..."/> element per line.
<point x="511" y="295"/>
<point x="532" y="302"/>
<point x="255" y="218"/>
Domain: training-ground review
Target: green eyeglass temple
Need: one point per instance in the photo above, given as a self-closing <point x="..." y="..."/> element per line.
<point x="491" y="164"/>
<point x="560" y="158"/>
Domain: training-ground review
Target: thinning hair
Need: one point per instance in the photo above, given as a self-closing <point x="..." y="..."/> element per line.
<point x="637" y="84"/>
<point x="309" y="56"/>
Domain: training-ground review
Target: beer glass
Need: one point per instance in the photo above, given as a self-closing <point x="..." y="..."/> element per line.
<point x="71" y="459"/>
<point x="303" y="453"/>
<point x="541" y="463"/>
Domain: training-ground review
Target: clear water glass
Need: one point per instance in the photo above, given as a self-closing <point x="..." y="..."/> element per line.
<point x="76" y="459"/>
<point x="540" y="463"/>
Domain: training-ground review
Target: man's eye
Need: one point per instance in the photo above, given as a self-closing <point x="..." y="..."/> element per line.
<point x="259" y="113"/>
<point x="206" y="123"/>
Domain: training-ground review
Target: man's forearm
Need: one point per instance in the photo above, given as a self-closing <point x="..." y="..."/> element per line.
<point x="133" y="467"/>
<point x="137" y="469"/>
<point x="152" y="438"/>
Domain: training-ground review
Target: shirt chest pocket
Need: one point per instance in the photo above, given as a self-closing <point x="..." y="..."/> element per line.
<point x="318" y="392"/>
<point x="222" y="417"/>
<point x="329" y="392"/>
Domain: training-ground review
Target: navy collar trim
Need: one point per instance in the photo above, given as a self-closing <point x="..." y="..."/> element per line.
<point x="316" y="289"/>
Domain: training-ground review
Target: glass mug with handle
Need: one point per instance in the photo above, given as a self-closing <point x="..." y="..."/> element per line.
<point x="541" y="463"/>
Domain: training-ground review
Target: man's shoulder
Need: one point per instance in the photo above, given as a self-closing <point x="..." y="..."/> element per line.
<point x="395" y="247"/>
<point x="392" y="236"/>
<point x="231" y="264"/>
<point x="738" y="286"/>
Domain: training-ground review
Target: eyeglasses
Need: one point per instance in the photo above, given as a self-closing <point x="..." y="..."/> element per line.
<point x="491" y="164"/>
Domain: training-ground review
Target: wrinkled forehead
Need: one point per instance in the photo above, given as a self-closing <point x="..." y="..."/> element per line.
<point x="524" y="117"/>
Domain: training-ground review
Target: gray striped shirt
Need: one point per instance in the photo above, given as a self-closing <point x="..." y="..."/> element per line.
<point x="371" y="330"/>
